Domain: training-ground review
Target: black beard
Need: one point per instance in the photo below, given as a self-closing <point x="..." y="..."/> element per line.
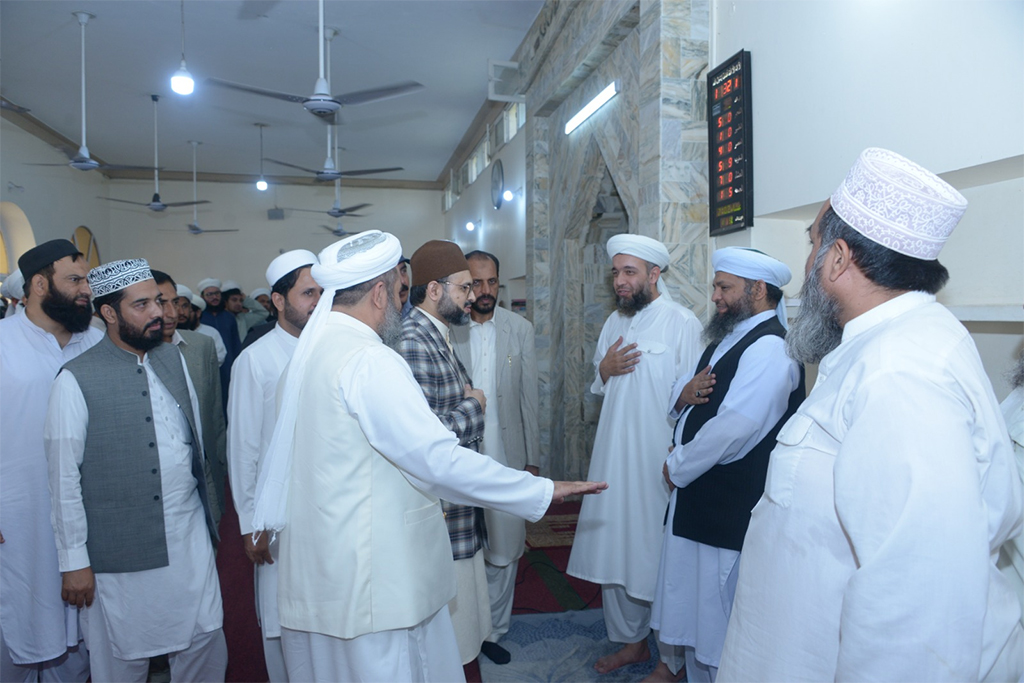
<point x="294" y="316"/>
<point x="215" y="309"/>
<point x="63" y="309"/>
<point x="816" y="331"/>
<point x="721" y="324"/>
<point x="451" y="313"/>
<point x="631" y="305"/>
<point x="139" y="339"/>
<point x="479" y="306"/>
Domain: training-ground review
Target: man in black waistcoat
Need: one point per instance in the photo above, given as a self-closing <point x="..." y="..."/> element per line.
<point x="728" y="414"/>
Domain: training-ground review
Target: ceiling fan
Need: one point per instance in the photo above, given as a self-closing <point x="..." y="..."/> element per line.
<point x="155" y="204"/>
<point x="338" y="231"/>
<point x="335" y="211"/>
<point x="193" y="227"/>
<point x="321" y="103"/>
<point x="80" y="158"/>
<point x="11" y="106"/>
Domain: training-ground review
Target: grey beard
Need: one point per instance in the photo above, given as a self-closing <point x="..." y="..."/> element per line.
<point x="1017" y="373"/>
<point x="391" y="329"/>
<point x="631" y="305"/>
<point x="815" y="332"/>
<point x="721" y="324"/>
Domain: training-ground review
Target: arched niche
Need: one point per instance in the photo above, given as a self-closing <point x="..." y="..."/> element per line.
<point x="83" y="238"/>
<point x="17" y="234"/>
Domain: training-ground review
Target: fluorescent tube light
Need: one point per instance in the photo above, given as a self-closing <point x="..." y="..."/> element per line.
<point x="591" y="107"/>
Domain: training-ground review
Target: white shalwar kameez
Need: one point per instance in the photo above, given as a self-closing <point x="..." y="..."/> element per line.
<point x="252" y="412"/>
<point x="36" y="625"/>
<point x="872" y="553"/>
<point x="428" y="650"/>
<point x="696" y="582"/>
<point x="1011" y="556"/>
<point x="618" y="536"/>
<point x="506" y="534"/>
<point x="145" y="613"/>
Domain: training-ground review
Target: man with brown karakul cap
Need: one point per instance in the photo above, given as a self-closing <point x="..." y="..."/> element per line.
<point x="441" y="294"/>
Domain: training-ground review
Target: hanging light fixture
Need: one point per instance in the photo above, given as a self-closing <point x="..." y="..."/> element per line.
<point x="181" y="81"/>
<point x="261" y="184"/>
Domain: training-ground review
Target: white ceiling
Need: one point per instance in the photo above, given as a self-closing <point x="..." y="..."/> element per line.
<point x="133" y="47"/>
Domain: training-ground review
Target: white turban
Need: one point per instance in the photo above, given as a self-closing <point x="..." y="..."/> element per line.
<point x="349" y="262"/>
<point x="646" y="248"/>
<point x="182" y="290"/>
<point x="207" y="283"/>
<point x="260" y="291"/>
<point x="14" y="285"/>
<point x="199" y="302"/>
<point x="228" y="285"/>
<point x="752" y="264"/>
<point x="286" y="263"/>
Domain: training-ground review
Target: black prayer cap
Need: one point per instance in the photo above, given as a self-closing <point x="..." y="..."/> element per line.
<point x="38" y="257"/>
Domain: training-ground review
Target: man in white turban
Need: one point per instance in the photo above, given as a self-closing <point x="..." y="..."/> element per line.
<point x="252" y="411"/>
<point x="872" y="553"/>
<point x="365" y="562"/>
<point x="727" y="410"/>
<point x="644" y="345"/>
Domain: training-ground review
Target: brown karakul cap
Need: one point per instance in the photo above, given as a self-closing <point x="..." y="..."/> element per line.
<point x="436" y="260"/>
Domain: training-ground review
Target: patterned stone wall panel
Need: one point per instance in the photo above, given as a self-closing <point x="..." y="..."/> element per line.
<point x="687" y="276"/>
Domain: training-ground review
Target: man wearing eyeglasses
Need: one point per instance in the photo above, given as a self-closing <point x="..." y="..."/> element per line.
<point x="497" y="348"/>
<point x="441" y="294"/>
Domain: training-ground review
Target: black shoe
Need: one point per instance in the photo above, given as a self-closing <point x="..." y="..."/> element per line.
<point x="496" y="653"/>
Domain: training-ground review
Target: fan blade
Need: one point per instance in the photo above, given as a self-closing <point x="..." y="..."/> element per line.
<point x="28" y="163"/>
<point x="11" y="106"/>
<point x="256" y="91"/>
<point x="285" y="163"/>
<point x="369" y="171"/>
<point x="378" y="94"/>
<point x="288" y="208"/>
<point x="254" y="9"/>
<point x="125" y="201"/>
<point x="124" y="167"/>
<point x="235" y="230"/>
<point x="354" y="207"/>
<point x="201" y="201"/>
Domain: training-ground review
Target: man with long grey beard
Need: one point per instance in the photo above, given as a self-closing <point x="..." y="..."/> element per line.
<point x="726" y="423"/>
<point x="872" y="554"/>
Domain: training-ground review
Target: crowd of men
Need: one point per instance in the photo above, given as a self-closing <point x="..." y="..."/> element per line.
<point x="375" y="417"/>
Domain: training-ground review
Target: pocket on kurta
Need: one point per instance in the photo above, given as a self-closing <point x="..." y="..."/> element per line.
<point x="420" y="514"/>
<point x="785" y="459"/>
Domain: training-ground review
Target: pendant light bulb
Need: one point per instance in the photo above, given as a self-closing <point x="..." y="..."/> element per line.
<point x="261" y="184"/>
<point x="181" y="81"/>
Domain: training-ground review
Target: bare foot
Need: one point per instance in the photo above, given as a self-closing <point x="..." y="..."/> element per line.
<point x="662" y="674"/>
<point x="630" y="653"/>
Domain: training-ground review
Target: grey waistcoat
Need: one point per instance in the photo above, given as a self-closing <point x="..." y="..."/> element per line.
<point x="120" y="470"/>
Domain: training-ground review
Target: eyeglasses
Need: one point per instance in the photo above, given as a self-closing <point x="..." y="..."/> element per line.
<point x="465" y="288"/>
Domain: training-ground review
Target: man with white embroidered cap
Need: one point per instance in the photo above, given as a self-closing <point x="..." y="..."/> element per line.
<point x="872" y="554"/>
<point x="644" y="345"/>
<point x="252" y="412"/>
<point x="365" y="562"/>
<point x="130" y="513"/>
<point x="36" y="627"/>
<point x="727" y="411"/>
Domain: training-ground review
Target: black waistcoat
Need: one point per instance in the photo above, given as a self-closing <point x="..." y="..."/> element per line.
<point x="715" y="508"/>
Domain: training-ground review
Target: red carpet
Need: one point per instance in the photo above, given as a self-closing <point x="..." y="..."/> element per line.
<point x="541" y="586"/>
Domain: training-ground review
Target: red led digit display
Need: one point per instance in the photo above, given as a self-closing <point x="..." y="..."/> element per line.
<point x="730" y="167"/>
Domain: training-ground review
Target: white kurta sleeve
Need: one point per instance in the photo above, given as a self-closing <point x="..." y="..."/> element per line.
<point x="757" y="399"/>
<point x="907" y="496"/>
<point x="245" y="410"/>
<point x="67" y="421"/>
<point x="411" y="437"/>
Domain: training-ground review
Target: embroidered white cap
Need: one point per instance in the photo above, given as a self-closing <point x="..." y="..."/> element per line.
<point x="893" y="201"/>
<point x="117" y="275"/>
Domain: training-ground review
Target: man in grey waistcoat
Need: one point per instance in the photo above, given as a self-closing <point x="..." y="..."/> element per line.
<point x="132" y="522"/>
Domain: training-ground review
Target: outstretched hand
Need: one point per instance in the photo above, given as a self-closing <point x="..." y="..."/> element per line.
<point x="576" y="488"/>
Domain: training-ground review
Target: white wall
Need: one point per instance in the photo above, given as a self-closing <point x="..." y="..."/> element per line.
<point x="414" y="216"/>
<point x="939" y="82"/>
<point x="503" y="232"/>
<point x="56" y="200"/>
